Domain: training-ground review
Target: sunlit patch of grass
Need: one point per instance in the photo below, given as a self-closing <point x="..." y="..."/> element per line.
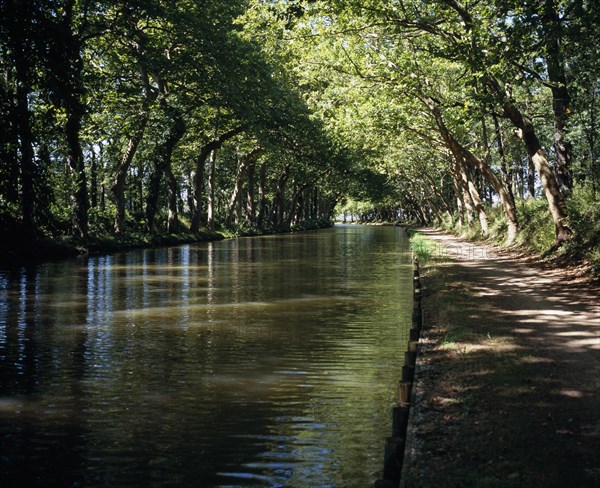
<point x="537" y="228"/>
<point x="423" y="249"/>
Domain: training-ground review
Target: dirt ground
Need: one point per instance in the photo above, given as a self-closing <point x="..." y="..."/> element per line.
<point x="508" y="373"/>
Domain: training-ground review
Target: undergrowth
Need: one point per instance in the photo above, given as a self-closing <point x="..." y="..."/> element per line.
<point x="423" y="249"/>
<point x="537" y="234"/>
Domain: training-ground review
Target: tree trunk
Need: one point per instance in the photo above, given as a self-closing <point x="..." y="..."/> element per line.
<point x="295" y="215"/>
<point x="236" y="192"/>
<point x="277" y="209"/>
<point x="118" y="187"/>
<point x="504" y="190"/>
<point x="210" y="206"/>
<point x="560" y="95"/>
<point x="473" y="193"/>
<point x="208" y="151"/>
<point x="72" y="92"/>
<point x="9" y="142"/>
<point x="79" y="203"/>
<point x="526" y="132"/>
<point x="506" y="170"/>
<point x="26" y="150"/>
<point x="236" y="195"/>
<point x="172" y="199"/>
<point x="262" y="195"/>
<point x="162" y="165"/>
<point x="462" y="153"/>
<point x="250" y="205"/>
<point x="460" y="205"/>
<point x="506" y="199"/>
<point x="530" y="178"/>
<point x="94" y="181"/>
<point x="198" y="190"/>
<point x="19" y="27"/>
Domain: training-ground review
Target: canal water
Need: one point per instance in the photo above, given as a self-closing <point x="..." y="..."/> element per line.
<point x="266" y="361"/>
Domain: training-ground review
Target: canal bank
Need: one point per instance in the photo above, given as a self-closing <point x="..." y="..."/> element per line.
<point x="18" y="248"/>
<point x="506" y="390"/>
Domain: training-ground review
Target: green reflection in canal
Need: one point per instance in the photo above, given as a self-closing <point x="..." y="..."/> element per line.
<point x="268" y="361"/>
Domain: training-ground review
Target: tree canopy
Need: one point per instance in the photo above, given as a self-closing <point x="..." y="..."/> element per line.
<point x="163" y="116"/>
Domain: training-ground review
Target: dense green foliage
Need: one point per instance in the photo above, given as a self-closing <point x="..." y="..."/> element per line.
<point x="171" y="116"/>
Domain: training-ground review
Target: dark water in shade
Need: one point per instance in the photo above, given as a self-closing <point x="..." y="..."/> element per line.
<point x="268" y="361"/>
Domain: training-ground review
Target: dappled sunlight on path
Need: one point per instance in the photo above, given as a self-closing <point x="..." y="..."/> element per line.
<point x="509" y="374"/>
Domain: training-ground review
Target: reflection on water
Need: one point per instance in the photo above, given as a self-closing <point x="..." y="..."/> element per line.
<point x="268" y="361"/>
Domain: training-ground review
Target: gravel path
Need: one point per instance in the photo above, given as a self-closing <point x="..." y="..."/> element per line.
<point x="509" y="374"/>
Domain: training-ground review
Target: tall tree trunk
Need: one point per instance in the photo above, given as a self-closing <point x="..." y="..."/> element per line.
<point x="172" y="200"/>
<point x="561" y="100"/>
<point x="475" y="197"/>
<point x="236" y="192"/>
<point x="9" y="142"/>
<point x="505" y="170"/>
<point x="262" y="195"/>
<point x="210" y="207"/>
<point x="118" y="186"/>
<point x="506" y="199"/>
<point x="591" y="136"/>
<point x="236" y="195"/>
<point x="277" y="208"/>
<point x="198" y="190"/>
<point x="162" y="166"/>
<point x="460" y="152"/>
<point x="72" y="94"/>
<point x="133" y="142"/>
<point x="507" y="196"/>
<point x="295" y="215"/>
<point x="152" y="198"/>
<point x="463" y="188"/>
<point x="460" y="205"/>
<point x="530" y="178"/>
<point x="94" y="181"/>
<point x="79" y="203"/>
<point x="19" y="17"/>
<point x="190" y="195"/>
<point x="526" y="132"/>
<point x="250" y="204"/>
<point x="206" y="152"/>
<point x="314" y="203"/>
<point x="27" y="163"/>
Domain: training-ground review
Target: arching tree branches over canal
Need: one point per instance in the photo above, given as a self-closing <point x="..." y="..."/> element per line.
<point x="156" y="117"/>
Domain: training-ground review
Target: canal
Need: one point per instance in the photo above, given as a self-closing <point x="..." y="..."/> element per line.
<point x="266" y="361"/>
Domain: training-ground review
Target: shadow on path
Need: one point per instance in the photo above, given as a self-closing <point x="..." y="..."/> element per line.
<point x="509" y="375"/>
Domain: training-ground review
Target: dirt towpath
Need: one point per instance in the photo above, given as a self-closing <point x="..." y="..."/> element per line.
<point x="508" y="376"/>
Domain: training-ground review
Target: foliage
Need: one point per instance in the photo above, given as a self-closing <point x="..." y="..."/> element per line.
<point x="251" y="116"/>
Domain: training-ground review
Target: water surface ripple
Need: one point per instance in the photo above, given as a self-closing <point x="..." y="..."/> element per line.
<point x="268" y="361"/>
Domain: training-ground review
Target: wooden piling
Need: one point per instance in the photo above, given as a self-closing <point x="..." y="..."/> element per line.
<point x="408" y="373"/>
<point x="395" y="445"/>
<point x="404" y="391"/>
<point x="410" y="358"/>
<point x="399" y="421"/>
<point x="417" y="319"/>
<point x="393" y="457"/>
<point x="413" y="335"/>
